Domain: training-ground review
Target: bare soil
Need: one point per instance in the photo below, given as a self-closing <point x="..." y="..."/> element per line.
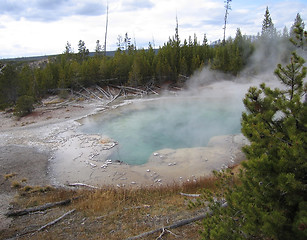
<point x="24" y="155"/>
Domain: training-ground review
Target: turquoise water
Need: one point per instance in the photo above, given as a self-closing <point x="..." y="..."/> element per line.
<point x="143" y="128"/>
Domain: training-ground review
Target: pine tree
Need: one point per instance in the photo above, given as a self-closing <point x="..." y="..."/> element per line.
<point x="268" y="29"/>
<point x="290" y="75"/>
<point x="271" y="200"/>
<point x="98" y="49"/>
<point x="83" y="52"/>
<point x="68" y="48"/>
<point x="297" y="32"/>
<point x="8" y="85"/>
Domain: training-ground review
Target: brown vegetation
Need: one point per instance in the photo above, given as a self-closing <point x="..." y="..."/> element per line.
<point x="108" y="213"/>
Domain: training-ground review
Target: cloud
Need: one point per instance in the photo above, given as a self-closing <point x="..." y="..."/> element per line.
<point x="10" y="7"/>
<point x="280" y="12"/>
<point x="132" y="5"/>
<point x="90" y="9"/>
<point x="44" y="26"/>
<point x="50" y="10"/>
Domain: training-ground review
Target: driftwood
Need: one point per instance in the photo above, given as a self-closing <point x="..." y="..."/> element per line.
<point x="189" y="195"/>
<point x="91" y="93"/>
<point x="107" y="95"/>
<point x="56" y="220"/>
<point x="174" y="225"/>
<point x="37" y="209"/>
<point x="114" y="98"/>
<point x="150" y="89"/>
<point x="32" y="232"/>
<point x="110" y="92"/>
<point x="137" y="90"/>
<point x="81" y="185"/>
<point x="130" y="89"/>
<point x="163" y="232"/>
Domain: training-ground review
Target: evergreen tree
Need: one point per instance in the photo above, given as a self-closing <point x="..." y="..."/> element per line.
<point x="297" y="32"/>
<point x="26" y="82"/>
<point x="8" y="85"/>
<point x="205" y="40"/>
<point x="68" y="49"/>
<point x="271" y="200"/>
<point x="127" y="42"/>
<point x="83" y="52"/>
<point x="98" y="49"/>
<point x="268" y="29"/>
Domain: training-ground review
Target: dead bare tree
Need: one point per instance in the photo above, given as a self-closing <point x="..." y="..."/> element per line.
<point x="227" y="7"/>
<point x="106" y="33"/>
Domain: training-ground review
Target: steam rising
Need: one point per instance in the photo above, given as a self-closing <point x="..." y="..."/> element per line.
<point x="211" y="106"/>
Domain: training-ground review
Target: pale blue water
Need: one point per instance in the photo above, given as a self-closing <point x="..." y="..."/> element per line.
<point x="159" y="124"/>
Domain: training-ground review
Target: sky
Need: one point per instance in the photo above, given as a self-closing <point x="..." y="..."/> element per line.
<point x="43" y="27"/>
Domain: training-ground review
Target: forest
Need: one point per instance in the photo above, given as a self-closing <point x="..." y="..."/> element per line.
<point x="171" y="64"/>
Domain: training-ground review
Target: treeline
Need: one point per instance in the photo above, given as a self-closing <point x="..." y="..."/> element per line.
<point x="172" y="63"/>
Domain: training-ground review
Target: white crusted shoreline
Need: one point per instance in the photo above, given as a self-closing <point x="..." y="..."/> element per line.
<point x="82" y="158"/>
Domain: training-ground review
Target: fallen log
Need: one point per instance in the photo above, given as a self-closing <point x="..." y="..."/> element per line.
<point x="37" y="209"/>
<point x="109" y="91"/>
<point x="91" y="93"/>
<point x="130" y="89"/>
<point x="81" y="185"/>
<point x="32" y="232"/>
<point x="56" y="220"/>
<point x="189" y="195"/>
<point x="135" y="90"/>
<point x="103" y="92"/>
<point x="150" y="89"/>
<point x="172" y="226"/>
<point x="114" y="98"/>
<point x="180" y="223"/>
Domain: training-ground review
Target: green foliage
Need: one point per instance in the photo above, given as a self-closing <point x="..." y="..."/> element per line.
<point x="268" y="29"/>
<point x="298" y="35"/>
<point x="8" y="85"/>
<point x="270" y="201"/>
<point x="24" y="105"/>
<point x="233" y="56"/>
<point x="83" y="52"/>
<point x="291" y="76"/>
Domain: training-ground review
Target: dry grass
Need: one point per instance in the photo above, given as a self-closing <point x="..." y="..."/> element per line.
<point x="9" y="175"/>
<point x="16" y="184"/>
<point x="111" y="213"/>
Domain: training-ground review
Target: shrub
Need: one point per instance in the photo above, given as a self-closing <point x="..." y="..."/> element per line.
<point x="24" y="105"/>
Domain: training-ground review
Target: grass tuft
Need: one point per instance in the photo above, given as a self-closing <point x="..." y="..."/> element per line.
<point x="16" y="184"/>
<point x="9" y="175"/>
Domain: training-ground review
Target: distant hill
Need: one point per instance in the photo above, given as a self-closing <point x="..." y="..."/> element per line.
<point x="40" y="58"/>
<point x="45" y="57"/>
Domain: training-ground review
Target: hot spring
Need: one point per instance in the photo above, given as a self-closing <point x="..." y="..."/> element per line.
<point x="146" y="126"/>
